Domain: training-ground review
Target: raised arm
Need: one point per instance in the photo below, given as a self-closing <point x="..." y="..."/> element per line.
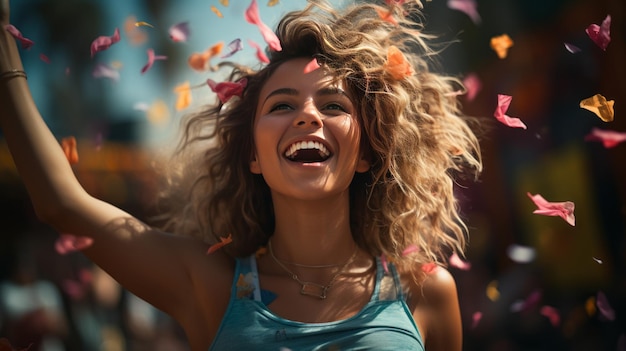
<point x="151" y="264"/>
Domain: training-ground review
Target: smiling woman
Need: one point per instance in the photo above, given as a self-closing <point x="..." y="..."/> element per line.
<point x="338" y="157"/>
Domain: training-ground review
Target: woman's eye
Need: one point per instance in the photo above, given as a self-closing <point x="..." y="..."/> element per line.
<point x="334" y="106"/>
<point x="281" y="106"/>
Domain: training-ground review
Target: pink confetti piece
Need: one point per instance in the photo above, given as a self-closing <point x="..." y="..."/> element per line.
<point x="311" y="66"/>
<point x="600" y="34"/>
<point x="384" y="263"/>
<point x="552" y="314"/>
<point x="253" y="17"/>
<point x="260" y="55"/>
<point x="223" y="242"/>
<point x="473" y="85"/>
<point x="67" y="243"/>
<point x="429" y="267"/>
<point x="410" y="249"/>
<point x="571" y="48"/>
<point x="476" y="317"/>
<point x="530" y="302"/>
<point x="564" y="210"/>
<point x="233" y="47"/>
<point x="466" y="6"/>
<point x="521" y="254"/>
<point x="608" y="138"/>
<point x="226" y="90"/>
<point x="44" y="58"/>
<point x="25" y="42"/>
<point x="151" y="58"/>
<point x="604" y="307"/>
<point x="503" y="105"/>
<point x="103" y="42"/>
<point x="179" y="32"/>
<point x="456" y="261"/>
<point x="104" y="71"/>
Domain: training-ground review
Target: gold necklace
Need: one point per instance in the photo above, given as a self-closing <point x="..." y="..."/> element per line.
<point x="309" y="288"/>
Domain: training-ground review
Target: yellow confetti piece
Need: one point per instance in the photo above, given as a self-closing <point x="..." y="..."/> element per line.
<point x="117" y="65"/>
<point x="501" y="44"/>
<point x="590" y="306"/>
<point x="271" y="3"/>
<point x="224" y="2"/>
<point x="184" y="96"/>
<point x="600" y="106"/>
<point x="142" y="24"/>
<point x="158" y="113"/>
<point x="492" y="290"/>
<point x="216" y="11"/>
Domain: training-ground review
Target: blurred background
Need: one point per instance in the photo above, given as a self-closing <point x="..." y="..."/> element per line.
<point x="533" y="282"/>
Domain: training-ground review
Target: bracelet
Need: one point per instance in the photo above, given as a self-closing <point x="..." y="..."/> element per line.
<point x="13" y="73"/>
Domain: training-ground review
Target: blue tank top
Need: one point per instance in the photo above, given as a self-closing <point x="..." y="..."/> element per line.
<point x="384" y="323"/>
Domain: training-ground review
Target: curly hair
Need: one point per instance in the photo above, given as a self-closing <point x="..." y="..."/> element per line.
<point x="416" y="138"/>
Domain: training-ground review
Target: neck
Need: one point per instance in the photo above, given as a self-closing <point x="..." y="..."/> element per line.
<point x="314" y="232"/>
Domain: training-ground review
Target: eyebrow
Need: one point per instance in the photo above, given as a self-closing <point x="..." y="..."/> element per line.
<point x="293" y="92"/>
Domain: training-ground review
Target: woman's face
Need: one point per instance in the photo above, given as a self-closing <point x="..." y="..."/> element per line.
<point x="306" y="134"/>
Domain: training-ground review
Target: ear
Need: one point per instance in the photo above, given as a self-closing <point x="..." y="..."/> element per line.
<point x="363" y="164"/>
<point x="255" y="167"/>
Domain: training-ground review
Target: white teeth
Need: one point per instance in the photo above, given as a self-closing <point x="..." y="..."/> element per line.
<point x="307" y="145"/>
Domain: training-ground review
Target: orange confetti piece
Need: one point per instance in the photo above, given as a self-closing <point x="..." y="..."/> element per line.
<point x="311" y="66"/>
<point x="216" y="11"/>
<point x="492" y="290"/>
<point x="224" y="2"/>
<point x="271" y="3"/>
<point x="590" y="306"/>
<point x="223" y="242"/>
<point x="501" y="44"/>
<point x="600" y="106"/>
<point x="397" y="65"/>
<point x="387" y="16"/>
<point x="69" y="148"/>
<point x="158" y="112"/>
<point x="135" y="35"/>
<point x="201" y="61"/>
<point x="142" y="24"/>
<point x="184" y="97"/>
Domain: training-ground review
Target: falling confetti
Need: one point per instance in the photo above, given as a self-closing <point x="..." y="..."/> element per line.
<point x="600" y="34"/>
<point x="605" y="309"/>
<point x="387" y="16"/>
<point x="472" y="85"/>
<point x="143" y="24"/>
<point x="564" y="210"/>
<point x="216" y="11"/>
<point x="599" y="105"/>
<point x="476" y="317"/>
<point x="158" y="113"/>
<point x="252" y="16"/>
<point x="466" y="6"/>
<point x="311" y="66"/>
<point x="492" y="291"/>
<point x="68" y="144"/>
<point x="271" y="3"/>
<point x="44" y="58"/>
<point x="224" y="3"/>
<point x="410" y="249"/>
<point x="503" y="105"/>
<point x="184" y="98"/>
<point x="598" y="261"/>
<point x="501" y="44"/>
<point x="521" y="254"/>
<point x="259" y="52"/>
<point x="530" y="302"/>
<point x="179" y="32"/>
<point x="202" y="61"/>
<point x="552" y="314"/>
<point x="571" y="48"/>
<point x="104" y="71"/>
<point x="136" y="36"/>
<point x="25" y="42"/>
<point x="67" y="243"/>
<point x="151" y="58"/>
<point x="226" y="90"/>
<point x="397" y="65"/>
<point x="456" y="261"/>
<point x="608" y="138"/>
<point x="103" y="42"/>
<point x="233" y="47"/>
<point x="223" y="241"/>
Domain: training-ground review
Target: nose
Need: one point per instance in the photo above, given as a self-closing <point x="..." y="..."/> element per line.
<point x="309" y="115"/>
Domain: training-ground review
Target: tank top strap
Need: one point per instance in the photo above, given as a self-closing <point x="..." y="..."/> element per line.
<point x="388" y="284"/>
<point x="247" y="279"/>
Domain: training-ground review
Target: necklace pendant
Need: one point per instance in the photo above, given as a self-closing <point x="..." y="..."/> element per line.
<point x="312" y="289"/>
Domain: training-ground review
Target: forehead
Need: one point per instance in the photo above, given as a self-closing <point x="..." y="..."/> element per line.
<point x="291" y="74"/>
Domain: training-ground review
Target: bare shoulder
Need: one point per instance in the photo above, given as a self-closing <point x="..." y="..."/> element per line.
<point x="433" y="299"/>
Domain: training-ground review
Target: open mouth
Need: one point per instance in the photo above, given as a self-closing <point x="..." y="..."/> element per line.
<point x="307" y="152"/>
